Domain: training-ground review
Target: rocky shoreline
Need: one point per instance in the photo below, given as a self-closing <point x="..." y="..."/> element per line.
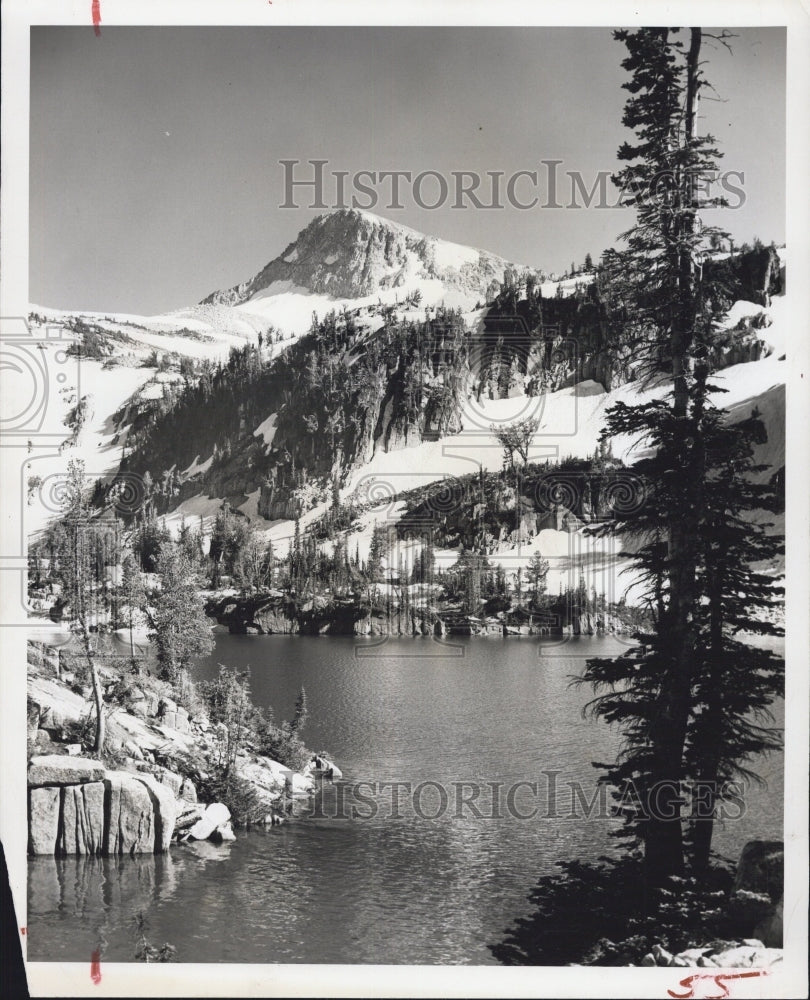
<point x="144" y="796"/>
<point x="279" y="615"/>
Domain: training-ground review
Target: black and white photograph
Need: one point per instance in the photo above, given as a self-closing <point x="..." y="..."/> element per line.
<point x="405" y="520"/>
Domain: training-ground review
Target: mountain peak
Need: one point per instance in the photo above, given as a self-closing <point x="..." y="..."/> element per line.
<point x="351" y="253"/>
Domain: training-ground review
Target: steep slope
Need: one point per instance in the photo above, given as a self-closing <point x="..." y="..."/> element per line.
<point x="122" y="366"/>
<point x="377" y="395"/>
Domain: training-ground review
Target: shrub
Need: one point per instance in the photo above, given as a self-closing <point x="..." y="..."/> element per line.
<point x="145" y="951"/>
<point x="282" y="743"/>
<point x="227" y="698"/>
<point x="240" y="796"/>
<point x="187" y="694"/>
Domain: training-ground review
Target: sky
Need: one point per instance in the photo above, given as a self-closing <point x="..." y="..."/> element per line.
<point x="154" y="152"/>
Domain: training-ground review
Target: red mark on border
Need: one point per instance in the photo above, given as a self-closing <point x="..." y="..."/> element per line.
<point x="719" y="980"/>
<point x="23" y="930"/>
<point x="95" y="966"/>
<point x="96" y="9"/>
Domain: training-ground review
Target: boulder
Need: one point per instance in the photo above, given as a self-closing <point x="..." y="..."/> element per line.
<point x="692" y="955"/>
<point x="215" y="816"/>
<point x="301" y="785"/>
<point x="267" y="783"/>
<point x="188" y="814"/>
<point x="57" y="704"/>
<point x="223" y="834"/>
<point x="321" y="765"/>
<point x="770" y="930"/>
<point x="165" y="811"/>
<point x="761" y="868"/>
<point x="57" y="770"/>
<point x="747" y="957"/>
<point x="44" y="745"/>
<point x="137" y="703"/>
<point x="131" y="817"/>
<point x="132" y="748"/>
<point x="758" y="887"/>
<point x="82" y="828"/>
<point x="172" y="780"/>
<point x="748" y="909"/>
<point x="43" y="819"/>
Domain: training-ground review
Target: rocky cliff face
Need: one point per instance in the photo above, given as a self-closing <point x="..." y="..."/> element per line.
<point x="76" y="806"/>
<point x="374" y="375"/>
<point x="350" y="254"/>
<point x="142" y="798"/>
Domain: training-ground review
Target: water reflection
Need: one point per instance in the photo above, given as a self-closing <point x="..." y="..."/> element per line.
<point x="368" y="890"/>
<point x="95" y="898"/>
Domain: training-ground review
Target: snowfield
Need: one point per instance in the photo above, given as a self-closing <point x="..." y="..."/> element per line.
<point x="570" y="420"/>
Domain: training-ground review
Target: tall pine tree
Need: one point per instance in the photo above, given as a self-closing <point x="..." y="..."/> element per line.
<point x="670" y="311"/>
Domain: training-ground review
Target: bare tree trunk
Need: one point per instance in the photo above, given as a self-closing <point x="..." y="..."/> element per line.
<point x="99" y="700"/>
<point x="98" y="695"/>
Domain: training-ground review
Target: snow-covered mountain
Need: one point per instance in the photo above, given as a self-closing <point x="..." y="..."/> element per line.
<point x="365" y="267"/>
<point x="351" y="254"/>
<point x="348" y="258"/>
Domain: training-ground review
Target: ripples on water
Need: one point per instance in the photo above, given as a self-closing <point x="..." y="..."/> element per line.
<point x="384" y="890"/>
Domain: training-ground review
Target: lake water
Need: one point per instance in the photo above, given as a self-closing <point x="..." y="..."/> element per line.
<point x="436" y="885"/>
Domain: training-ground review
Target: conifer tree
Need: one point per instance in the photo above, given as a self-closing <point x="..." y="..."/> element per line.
<point x="84" y="549"/>
<point x="133" y="594"/>
<point x="735" y="683"/>
<point x="538" y="572"/>
<point x="180" y="628"/>
<point x="671" y="307"/>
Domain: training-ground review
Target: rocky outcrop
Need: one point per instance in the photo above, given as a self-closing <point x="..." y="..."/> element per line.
<point x="44" y="657"/>
<point x="748" y="954"/>
<point x="44" y="807"/>
<point x="164" y="810"/>
<point x="76" y="806"/>
<point x="63" y="770"/>
<point x="54" y="707"/>
<point x="130" y="820"/>
<point x="80" y="806"/>
<point x="82" y="821"/>
<point x="262" y="616"/>
<point x="755" y="904"/>
<point x="280" y="502"/>
<point x="350" y="253"/>
<point x="213" y="818"/>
